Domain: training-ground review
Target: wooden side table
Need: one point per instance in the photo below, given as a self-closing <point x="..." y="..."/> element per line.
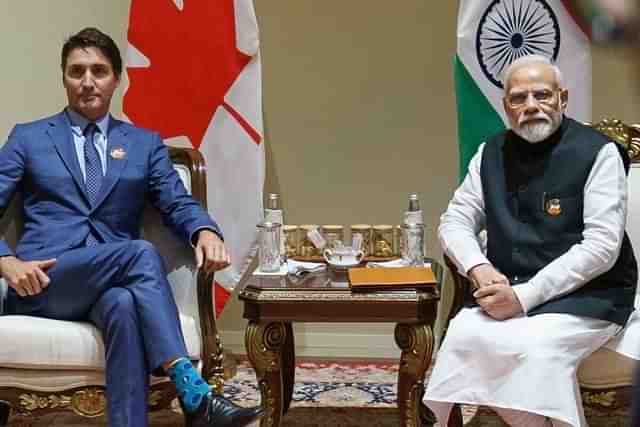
<point x="272" y="303"/>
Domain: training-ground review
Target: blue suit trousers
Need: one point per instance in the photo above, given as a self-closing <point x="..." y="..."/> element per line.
<point x="123" y="290"/>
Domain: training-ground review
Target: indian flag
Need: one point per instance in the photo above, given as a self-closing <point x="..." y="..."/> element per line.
<point x="494" y="33"/>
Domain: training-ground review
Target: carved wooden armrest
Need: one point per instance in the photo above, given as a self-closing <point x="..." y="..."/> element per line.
<point x="461" y="286"/>
<point x="628" y="136"/>
<point x="212" y="354"/>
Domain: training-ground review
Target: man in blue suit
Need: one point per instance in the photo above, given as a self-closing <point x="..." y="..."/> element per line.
<point x="84" y="177"/>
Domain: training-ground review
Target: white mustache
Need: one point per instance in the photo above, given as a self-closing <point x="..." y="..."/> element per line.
<point x="537" y="116"/>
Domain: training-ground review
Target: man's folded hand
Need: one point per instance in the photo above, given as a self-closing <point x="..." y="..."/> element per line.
<point x="211" y="254"/>
<point x="498" y="300"/>
<point x="26" y="277"/>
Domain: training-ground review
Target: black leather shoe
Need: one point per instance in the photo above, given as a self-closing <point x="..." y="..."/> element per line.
<point x="216" y="411"/>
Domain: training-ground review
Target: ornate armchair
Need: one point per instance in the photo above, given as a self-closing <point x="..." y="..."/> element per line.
<point x="606" y="376"/>
<point x="50" y="365"/>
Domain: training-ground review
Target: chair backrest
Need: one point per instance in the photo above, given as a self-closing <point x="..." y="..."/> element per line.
<point x="629" y="137"/>
<point x="10" y="230"/>
<point x="178" y="255"/>
<point x="633" y="215"/>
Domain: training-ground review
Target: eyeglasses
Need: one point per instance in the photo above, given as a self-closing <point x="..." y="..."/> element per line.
<point x="542" y="96"/>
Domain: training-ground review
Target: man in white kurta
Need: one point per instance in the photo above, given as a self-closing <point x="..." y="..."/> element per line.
<point x="517" y="346"/>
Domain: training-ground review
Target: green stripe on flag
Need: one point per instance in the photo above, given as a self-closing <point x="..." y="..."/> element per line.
<point x="477" y="119"/>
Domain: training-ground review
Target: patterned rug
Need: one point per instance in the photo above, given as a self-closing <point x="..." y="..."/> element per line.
<point x="337" y="394"/>
<point x="352" y="394"/>
<point x="327" y="384"/>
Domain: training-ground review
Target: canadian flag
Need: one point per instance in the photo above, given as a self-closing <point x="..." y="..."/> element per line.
<point x="194" y="76"/>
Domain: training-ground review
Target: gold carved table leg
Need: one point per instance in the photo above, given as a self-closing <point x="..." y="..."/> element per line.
<point x="416" y="343"/>
<point x="265" y="343"/>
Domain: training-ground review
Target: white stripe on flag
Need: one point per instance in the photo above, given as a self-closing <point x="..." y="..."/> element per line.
<point x="574" y="58"/>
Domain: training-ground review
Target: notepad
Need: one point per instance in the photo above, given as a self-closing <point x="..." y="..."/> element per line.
<point x="374" y="279"/>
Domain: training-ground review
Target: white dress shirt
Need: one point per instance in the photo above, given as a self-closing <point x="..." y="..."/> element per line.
<point x="78" y="124"/>
<point x="605" y="212"/>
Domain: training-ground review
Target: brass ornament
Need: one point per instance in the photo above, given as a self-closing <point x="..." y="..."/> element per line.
<point x="383" y="248"/>
<point x="416" y="343"/>
<point x="270" y="403"/>
<point x="606" y="399"/>
<point x="155" y="397"/>
<point x="264" y="342"/>
<point x="221" y="367"/>
<point x="405" y="337"/>
<point x="89" y="403"/>
<point x="626" y="135"/>
<point x="30" y="401"/>
<point x="412" y="415"/>
<point x="175" y="407"/>
<point x="552" y="207"/>
<point x="254" y="294"/>
<point x="382" y="240"/>
<point x="634" y="144"/>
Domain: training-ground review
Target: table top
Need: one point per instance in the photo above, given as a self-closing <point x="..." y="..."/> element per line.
<point x="326" y="297"/>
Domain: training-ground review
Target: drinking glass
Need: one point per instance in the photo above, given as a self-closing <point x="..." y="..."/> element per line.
<point x="413" y="241"/>
<point x="269" y="246"/>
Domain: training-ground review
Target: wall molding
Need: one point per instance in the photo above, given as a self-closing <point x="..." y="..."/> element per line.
<point x="342" y="341"/>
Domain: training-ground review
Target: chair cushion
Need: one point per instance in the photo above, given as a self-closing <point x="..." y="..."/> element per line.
<point x="606" y="369"/>
<point x="628" y="342"/>
<point x="613" y="364"/>
<point x="77" y="347"/>
<point x="39" y="343"/>
<point x="52" y="381"/>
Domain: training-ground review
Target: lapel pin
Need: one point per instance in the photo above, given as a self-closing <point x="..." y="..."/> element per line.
<point x="118" y="153"/>
<point x="553" y="207"/>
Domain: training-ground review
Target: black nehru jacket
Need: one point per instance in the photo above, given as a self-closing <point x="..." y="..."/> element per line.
<point x="522" y="185"/>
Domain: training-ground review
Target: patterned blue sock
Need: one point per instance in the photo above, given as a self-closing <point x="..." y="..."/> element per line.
<point x="189" y="384"/>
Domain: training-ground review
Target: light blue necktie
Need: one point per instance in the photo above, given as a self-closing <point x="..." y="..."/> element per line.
<point x="93" y="170"/>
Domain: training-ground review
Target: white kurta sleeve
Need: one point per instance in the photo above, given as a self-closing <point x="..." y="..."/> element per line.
<point x="463" y="220"/>
<point x="605" y="212"/>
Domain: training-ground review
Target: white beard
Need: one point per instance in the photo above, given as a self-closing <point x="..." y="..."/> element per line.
<point x="539" y="130"/>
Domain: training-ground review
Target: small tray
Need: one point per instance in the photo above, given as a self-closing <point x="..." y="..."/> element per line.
<point x="320" y="258"/>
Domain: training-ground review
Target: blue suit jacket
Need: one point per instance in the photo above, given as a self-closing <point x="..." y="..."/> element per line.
<point x="40" y="161"/>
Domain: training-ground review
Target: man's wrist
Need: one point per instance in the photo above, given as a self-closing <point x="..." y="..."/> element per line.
<point x="3" y="260"/>
<point x="470" y="271"/>
<point x="196" y="235"/>
<point x="527" y="295"/>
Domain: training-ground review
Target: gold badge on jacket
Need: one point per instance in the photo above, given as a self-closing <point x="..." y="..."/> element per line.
<point x="118" y="153"/>
<point x="553" y="208"/>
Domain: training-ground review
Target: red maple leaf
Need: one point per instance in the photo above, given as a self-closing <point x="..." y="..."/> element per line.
<point x="194" y="61"/>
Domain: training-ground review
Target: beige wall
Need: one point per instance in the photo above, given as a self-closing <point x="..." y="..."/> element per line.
<point x="358" y="98"/>
<point x="32" y="34"/>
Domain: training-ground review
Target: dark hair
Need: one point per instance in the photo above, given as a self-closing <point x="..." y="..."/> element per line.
<point x="92" y="37"/>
